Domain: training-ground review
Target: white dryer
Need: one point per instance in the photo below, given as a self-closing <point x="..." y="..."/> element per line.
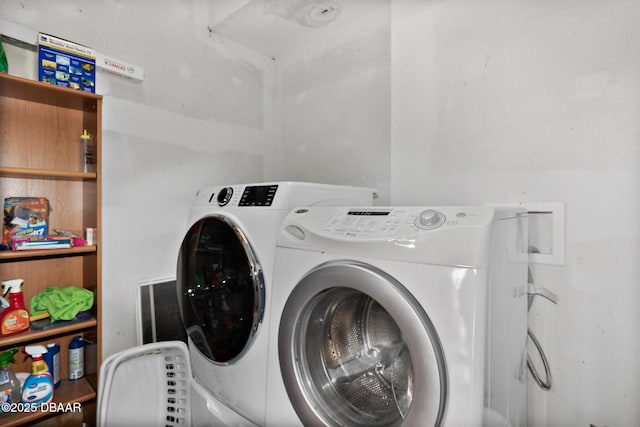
<point x="224" y="272"/>
<point x="412" y="316"/>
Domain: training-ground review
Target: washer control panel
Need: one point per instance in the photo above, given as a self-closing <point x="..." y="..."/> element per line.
<point x="239" y="195"/>
<point x="397" y="221"/>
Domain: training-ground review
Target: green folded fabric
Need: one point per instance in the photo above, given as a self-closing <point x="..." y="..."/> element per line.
<point x="61" y="303"/>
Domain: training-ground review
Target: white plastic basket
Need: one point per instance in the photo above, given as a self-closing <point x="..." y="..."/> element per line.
<point x="148" y="385"/>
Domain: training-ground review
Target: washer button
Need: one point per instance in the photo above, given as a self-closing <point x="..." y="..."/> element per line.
<point x="429" y="219"/>
<point x="224" y="196"/>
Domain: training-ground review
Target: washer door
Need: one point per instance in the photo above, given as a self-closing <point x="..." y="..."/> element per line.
<point x="356" y="349"/>
<point x="220" y="289"/>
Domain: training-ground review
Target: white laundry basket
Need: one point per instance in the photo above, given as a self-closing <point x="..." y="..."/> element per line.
<point x="148" y="385"/>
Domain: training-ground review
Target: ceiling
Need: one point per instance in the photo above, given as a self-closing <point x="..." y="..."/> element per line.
<point x="275" y="27"/>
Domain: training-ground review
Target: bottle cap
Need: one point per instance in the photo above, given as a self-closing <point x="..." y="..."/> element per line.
<point x="35" y="351"/>
<point x="76" y="342"/>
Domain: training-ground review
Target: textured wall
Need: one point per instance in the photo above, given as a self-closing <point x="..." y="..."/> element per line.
<point x="196" y="120"/>
<point x="333" y="106"/>
<point x="234" y="91"/>
<point x="496" y="100"/>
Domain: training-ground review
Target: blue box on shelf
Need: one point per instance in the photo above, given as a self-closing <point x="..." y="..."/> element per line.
<point x="65" y="63"/>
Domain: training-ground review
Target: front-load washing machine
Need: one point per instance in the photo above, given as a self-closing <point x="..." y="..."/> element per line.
<point x="224" y="272"/>
<point x="412" y="316"/>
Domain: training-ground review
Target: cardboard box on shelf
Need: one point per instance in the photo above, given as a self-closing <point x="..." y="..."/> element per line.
<point x="25" y="217"/>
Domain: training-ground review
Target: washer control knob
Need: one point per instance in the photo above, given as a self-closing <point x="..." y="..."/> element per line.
<point x="430" y="219"/>
<point x="224" y="196"/>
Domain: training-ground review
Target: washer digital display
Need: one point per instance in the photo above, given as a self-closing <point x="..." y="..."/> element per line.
<point x="258" y="195"/>
<point x="369" y="213"/>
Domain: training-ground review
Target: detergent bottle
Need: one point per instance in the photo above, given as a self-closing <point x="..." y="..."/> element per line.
<point x="52" y="359"/>
<point x="9" y="383"/>
<point x="76" y="358"/>
<point x="38" y="387"/>
<point x="15" y="318"/>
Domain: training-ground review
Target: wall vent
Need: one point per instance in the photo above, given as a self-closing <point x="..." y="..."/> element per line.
<point x="157" y="313"/>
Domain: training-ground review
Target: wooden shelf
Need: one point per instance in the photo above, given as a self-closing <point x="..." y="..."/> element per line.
<point x="64" y="397"/>
<point x="21" y="88"/>
<point x="11" y="172"/>
<point x="44" y="253"/>
<point x="35" y="335"/>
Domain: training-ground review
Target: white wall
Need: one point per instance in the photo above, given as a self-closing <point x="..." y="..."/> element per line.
<point x="154" y="161"/>
<point x="333" y="100"/>
<point x="199" y="118"/>
<point x="212" y="110"/>
<point x="496" y="100"/>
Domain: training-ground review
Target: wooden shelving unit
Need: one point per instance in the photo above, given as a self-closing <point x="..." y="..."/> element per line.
<point x="40" y="156"/>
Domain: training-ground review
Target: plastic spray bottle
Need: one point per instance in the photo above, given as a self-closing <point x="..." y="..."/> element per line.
<point x="15" y="318"/>
<point x="38" y="387"/>
<point x="4" y="64"/>
<point x="9" y="383"/>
